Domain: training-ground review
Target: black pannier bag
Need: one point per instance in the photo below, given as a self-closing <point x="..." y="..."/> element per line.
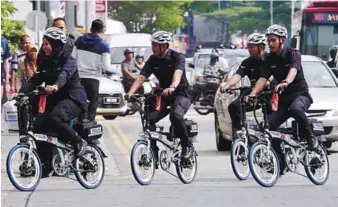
<point x="89" y="131"/>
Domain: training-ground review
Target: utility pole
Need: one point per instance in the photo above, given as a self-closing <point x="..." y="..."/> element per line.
<point x="90" y="14"/>
<point x="70" y="16"/>
<point x="38" y="8"/>
<point x="271" y="12"/>
<point x="292" y="14"/>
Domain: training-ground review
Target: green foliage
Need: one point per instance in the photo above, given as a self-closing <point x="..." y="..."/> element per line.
<point x="147" y="16"/>
<point x="248" y="16"/>
<point x="10" y="29"/>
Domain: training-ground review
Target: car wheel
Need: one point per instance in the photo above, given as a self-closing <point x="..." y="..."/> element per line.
<point x="221" y="143"/>
<point x="109" y="117"/>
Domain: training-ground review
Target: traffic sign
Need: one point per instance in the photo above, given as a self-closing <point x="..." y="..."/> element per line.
<point x="36" y="21"/>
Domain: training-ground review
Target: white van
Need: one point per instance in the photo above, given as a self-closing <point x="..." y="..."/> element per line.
<point x="137" y="42"/>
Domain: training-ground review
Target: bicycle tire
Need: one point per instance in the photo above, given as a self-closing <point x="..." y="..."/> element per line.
<point x="133" y="167"/>
<point x="9" y="171"/>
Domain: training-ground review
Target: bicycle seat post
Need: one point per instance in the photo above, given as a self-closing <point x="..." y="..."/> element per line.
<point x="265" y="114"/>
<point x="242" y="113"/>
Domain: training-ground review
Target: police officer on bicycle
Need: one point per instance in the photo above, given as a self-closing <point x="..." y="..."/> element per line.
<point x="169" y="68"/>
<point x="284" y="63"/>
<point x="251" y="67"/>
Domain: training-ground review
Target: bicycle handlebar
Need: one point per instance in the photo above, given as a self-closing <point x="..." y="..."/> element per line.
<point x="25" y="96"/>
<point x="156" y="91"/>
<point x="211" y="76"/>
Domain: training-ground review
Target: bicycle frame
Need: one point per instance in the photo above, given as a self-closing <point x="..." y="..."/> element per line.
<point x="148" y="135"/>
<point x="298" y="150"/>
<point x="33" y="137"/>
<point x="245" y="132"/>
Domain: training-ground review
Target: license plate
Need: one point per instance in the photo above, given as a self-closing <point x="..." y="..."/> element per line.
<point x="111" y="100"/>
<point x="96" y="130"/>
<point x="41" y="137"/>
<point x="318" y="126"/>
<point x="194" y="127"/>
<point x="11" y="117"/>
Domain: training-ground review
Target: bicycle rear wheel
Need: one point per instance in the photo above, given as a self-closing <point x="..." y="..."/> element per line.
<point x="186" y="169"/>
<point x="90" y="168"/>
<point x="317" y="166"/>
<point x="266" y="159"/>
<point x="142" y="163"/>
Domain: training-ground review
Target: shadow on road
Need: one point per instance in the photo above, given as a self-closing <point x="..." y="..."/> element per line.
<point x="212" y="153"/>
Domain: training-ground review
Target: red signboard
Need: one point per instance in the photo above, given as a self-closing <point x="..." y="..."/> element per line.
<point x="100" y="6"/>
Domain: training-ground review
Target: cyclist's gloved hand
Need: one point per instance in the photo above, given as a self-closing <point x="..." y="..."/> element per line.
<point x="280" y="87"/>
<point x="168" y="91"/>
<point x="223" y="88"/>
<point x="249" y="98"/>
<point x="51" y="89"/>
<point x="127" y="96"/>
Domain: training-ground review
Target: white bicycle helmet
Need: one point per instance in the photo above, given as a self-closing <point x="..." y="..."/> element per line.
<point x="277" y="30"/>
<point x="56" y="34"/>
<point x="161" y="37"/>
<point x="214" y="54"/>
<point x="257" y="39"/>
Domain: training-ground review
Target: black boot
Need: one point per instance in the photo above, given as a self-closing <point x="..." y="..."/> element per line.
<point x="312" y="142"/>
<point x="155" y="150"/>
<point x="80" y="147"/>
<point x="187" y="152"/>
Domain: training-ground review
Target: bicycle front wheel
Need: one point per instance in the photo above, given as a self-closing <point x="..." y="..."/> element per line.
<point x="239" y="159"/>
<point x="264" y="165"/>
<point x="26" y="175"/>
<point x="142" y="163"/>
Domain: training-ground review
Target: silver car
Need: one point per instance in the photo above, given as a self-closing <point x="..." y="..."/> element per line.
<point x="111" y="97"/>
<point x="323" y="86"/>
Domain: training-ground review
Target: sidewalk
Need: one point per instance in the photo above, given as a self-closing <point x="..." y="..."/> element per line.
<point x="6" y="140"/>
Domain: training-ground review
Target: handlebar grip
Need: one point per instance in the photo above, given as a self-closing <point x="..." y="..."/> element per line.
<point x="132" y="99"/>
<point x="229" y="91"/>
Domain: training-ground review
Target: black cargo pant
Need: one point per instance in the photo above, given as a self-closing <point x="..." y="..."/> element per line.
<point x="234" y="110"/>
<point x="56" y="120"/>
<point x="291" y="107"/>
<point x="92" y="90"/>
<point x="179" y="105"/>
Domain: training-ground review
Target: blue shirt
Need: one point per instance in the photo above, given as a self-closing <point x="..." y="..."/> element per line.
<point x="5" y="54"/>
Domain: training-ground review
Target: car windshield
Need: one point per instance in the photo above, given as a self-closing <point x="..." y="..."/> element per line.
<point x="117" y="56"/>
<point x="317" y="75"/>
<point x="203" y="59"/>
<point x="237" y="54"/>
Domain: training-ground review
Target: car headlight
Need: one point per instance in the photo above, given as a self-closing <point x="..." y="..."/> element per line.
<point x="335" y="113"/>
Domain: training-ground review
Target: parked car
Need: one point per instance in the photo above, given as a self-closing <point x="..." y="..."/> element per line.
<point x="111" y="97"/>
<point x="323" y="86"/>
